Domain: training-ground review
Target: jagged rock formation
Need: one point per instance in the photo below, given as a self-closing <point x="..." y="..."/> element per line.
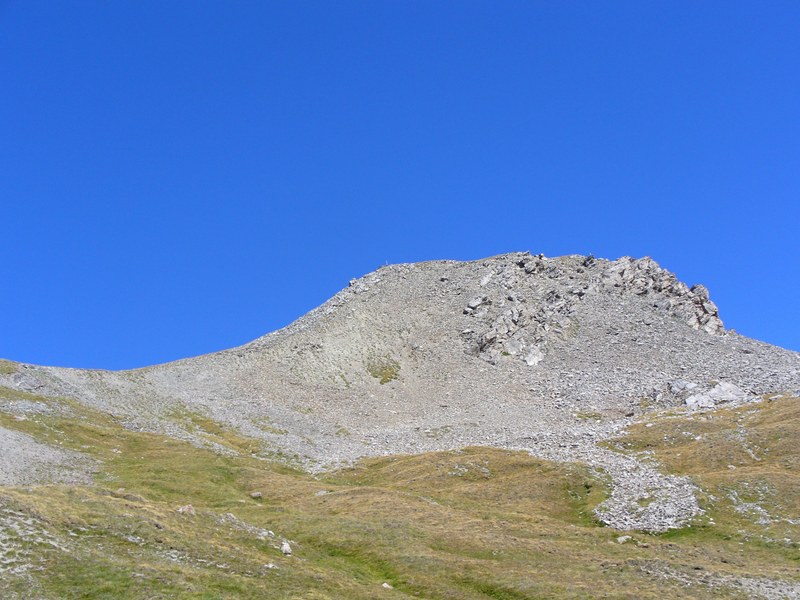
<point x="550" y="355"/>
<point x="537" y="299"/>
<point x="645" y="278"/>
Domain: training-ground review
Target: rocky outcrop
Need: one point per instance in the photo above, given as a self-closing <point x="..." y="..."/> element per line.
<point x="549" y="355"/>
<point x="516" y="328"/>
<point x="535" y="301"/>
<point x="708" y="395"/>
<point x="644" y="277"/>
<point x="528" y="311"/>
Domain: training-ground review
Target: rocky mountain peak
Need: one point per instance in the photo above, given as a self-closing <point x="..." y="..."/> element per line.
<point x="645" y="277"/>
<point x="511" y="351"/>
<point x="530" y="299"/>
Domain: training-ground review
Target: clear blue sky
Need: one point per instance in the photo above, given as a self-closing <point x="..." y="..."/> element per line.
<point x="182" y="177"/>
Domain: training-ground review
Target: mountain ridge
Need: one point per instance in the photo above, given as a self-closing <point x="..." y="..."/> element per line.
<point x="511" y="351"/>
<point x="389" y="435"/>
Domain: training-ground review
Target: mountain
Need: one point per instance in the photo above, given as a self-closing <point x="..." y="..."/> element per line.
<point x="561" y="360"/>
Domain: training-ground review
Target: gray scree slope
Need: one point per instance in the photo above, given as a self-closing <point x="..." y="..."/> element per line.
<point x="509" y="351"/>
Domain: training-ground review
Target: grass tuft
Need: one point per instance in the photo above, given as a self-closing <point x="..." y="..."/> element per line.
<point x="7" y="367"/>
<point x="384" y="369"/>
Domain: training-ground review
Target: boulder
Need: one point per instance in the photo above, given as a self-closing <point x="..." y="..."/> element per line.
<point x="721" y="393"/>
<point x="534" y="356"/>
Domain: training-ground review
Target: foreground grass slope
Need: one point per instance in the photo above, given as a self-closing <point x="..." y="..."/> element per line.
<point x="477" y="523"/>
<point x="747" y="462"/>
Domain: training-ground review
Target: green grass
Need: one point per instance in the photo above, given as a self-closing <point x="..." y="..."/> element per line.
<point x="17" y="395"/>
<point x="585" y="415"/>
<point x="474" y="524"/>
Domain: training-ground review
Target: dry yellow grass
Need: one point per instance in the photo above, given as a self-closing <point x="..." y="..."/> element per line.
<point x="747" y="461"/>
<point x="478" y="523"/>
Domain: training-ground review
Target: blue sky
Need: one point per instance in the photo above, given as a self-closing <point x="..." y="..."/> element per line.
<point x="181" y="177"/>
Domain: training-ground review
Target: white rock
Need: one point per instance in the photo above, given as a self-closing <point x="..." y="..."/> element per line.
<point x="534" y="357"/>
<point x="476" y="302"/>
<point x="721" y="393"/>
<point x="513" y="347"/>
<point x="699" y="401"/>
<point x="679" y="385"/>
<point x="728" y="392"/>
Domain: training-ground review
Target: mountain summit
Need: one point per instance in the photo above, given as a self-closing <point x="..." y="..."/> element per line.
<point x="548" y="355"/>
<point x="512" y="427"/>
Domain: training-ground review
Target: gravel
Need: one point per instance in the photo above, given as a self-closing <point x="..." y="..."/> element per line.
<point x="549" y="355"/>
<point x="24" y="461"/>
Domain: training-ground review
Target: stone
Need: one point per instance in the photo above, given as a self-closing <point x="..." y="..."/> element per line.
<point x="476" y="302"/>
<point x="728" y="392"/>
<point x="534" y="357"/>
<point x="700" y="291"/>
<point x="256" y="495"/>
<point x="721" y="393"/>
<point x="286" y="548"/>
<point x="514" y="347"/>
<point x="27" y="382"/>
<point x="645" y="276"/>
<point x="679" y="385"/>
<point x="699" y="401"/>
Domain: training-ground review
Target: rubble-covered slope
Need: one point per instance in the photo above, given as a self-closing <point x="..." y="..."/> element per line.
<point x="633" y="407"/>
<point x="550" y="355"/>
<point x="166" y="519"/>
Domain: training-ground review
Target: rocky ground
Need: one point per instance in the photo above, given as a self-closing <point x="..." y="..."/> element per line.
<point x="551" y="355"/>
<point x="24" y="461"/>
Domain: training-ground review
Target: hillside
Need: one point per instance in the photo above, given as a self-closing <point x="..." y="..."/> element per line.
<point x="450" y="429"/>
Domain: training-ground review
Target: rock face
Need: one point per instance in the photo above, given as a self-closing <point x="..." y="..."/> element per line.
<point x="713" y="394"/>
<point x="535" y="303"/>
<point x="645" y="278"/>
<point x="550" y="355"/>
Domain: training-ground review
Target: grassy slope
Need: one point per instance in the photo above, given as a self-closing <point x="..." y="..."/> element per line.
<point x="479" y="523"/>
<point x="747" y="462"/>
